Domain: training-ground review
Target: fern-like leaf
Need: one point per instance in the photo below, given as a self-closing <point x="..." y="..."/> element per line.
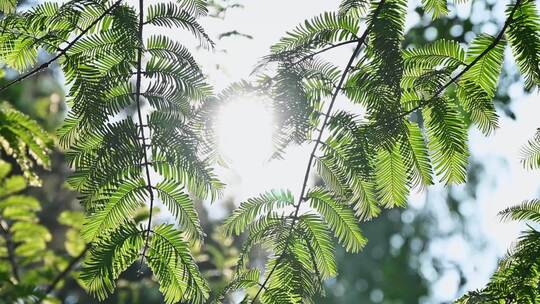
<point x="526" y="211"/>
<point x="339" y="218"/>
<point x="252" y="208"/>
<point x="524" y="36"/>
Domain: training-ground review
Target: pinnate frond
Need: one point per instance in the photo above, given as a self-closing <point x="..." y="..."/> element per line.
<point x="447" y="139"/>
<point x="339" y="218"/>
<point x="437" y="8"/>
<point x="526" y="211"/>
<point x="524" y="36"/>
<point x="109" y="256"/>
<point x="531" y="153"/>
<point x="173" y="15"/>
<point x="171" y="262"/>
<point x="250" y="209"/>
<point x="181" y="206"/>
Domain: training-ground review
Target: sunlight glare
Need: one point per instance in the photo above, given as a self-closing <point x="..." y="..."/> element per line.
<point x="244" y="129"/>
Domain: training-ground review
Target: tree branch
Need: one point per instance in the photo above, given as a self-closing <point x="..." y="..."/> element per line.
<point x="324" y="50"/>
<point x="62" y="51"/>
<point x="141" y="125"/>
<point x="10" y="249"/>
<point x="66" y="271"/>
<point x="461" y="73"/>
<point x="359" y="44"/>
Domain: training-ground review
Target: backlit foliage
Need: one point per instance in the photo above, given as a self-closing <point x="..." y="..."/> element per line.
<point x="418" y="104"/>
<point x="124" y="161"/>
<point x="137" y="134"/>
<point x="26" y="257"/>
<point x="517" y="277"/>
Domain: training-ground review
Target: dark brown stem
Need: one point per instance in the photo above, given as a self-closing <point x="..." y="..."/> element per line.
<point x="324" y="50"/>
<point x="327" y="116"/>
<point x="461" y="73"/>
<point x="10" y="246"/>
<point x="63" y="51"/>
<point x="66" y="271"/>
<point x="141" y="125"/>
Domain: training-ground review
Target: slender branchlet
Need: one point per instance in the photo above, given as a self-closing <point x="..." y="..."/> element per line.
<point x="312" y="155"/>
<point x="62" y="51"/>
<point x="143" y="138"/>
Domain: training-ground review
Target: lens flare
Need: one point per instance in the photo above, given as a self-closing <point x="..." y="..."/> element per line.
<point x="244" y="129"/>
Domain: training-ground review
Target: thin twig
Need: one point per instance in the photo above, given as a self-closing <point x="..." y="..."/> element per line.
<point x="10" y="249"/>
<point x="141" y="124"/>
<point x="460" y="74"/>
<point x="338" y="88"/>
<point x="360" y="42"/>
<point x="66" y="271"/>
<point x="63" y="51"/>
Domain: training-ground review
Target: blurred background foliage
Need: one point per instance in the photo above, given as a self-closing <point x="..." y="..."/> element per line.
<point x="397" y="265"/>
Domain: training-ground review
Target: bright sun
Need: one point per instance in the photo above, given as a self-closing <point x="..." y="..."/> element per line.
<point x="244" y="129"/>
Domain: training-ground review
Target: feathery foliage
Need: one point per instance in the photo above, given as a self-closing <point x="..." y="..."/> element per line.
<point x="23" y="139"/>
<point x="136" y="136"/>
<point x="531" y="153"/>
<point x="27" y="261"/>
<point x="417" y="105"/>
<point x="108" y="68"/>
<point x="517" y="277"/>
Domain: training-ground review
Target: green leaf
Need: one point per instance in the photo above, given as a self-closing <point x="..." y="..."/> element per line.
<point x="485" y="73"/>
<point x="244" y="280"/>
<point x="436" y="7"/>
<point x="316" y="234"/>
<point x="321" y="30"/>
<point x="108" y="257"/>
<point x="12" y="185"/>
<point x="523" y="34"/>
<point x="354" y="8"/>
<point x="391" y="176"/>
<point x="20" y="202"/>
<point x="8" y="6"/>
<point x="339" y="217"/>
<point x="478" y="104"/>
<point x="172" y="264"/>
<point x="121" y="206"/>
<point x="249" y="210"/>
<point x="528" y="211"/>
<point x="181" y="207"/>
<point x="73" y="219"/>
<point x="447" y="141"/>
<point x="173" y="15"/>
<point x="19" y="53"/>
<point x="418" y="157"/>
<point x="531" y="153"/>
<point x="22" y="138"/>
<point x="441" y="52"/>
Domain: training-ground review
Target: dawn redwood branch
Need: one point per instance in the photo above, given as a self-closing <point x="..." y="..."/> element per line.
<point x="460" y="74"/>
<point x="141" y="125"/>
<point x="66" y="271"/>
<point x="338" y="88"/>
<point x="63" y="51"/>
<point x="324" y="50"/>
<point x="301" y="197"/>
